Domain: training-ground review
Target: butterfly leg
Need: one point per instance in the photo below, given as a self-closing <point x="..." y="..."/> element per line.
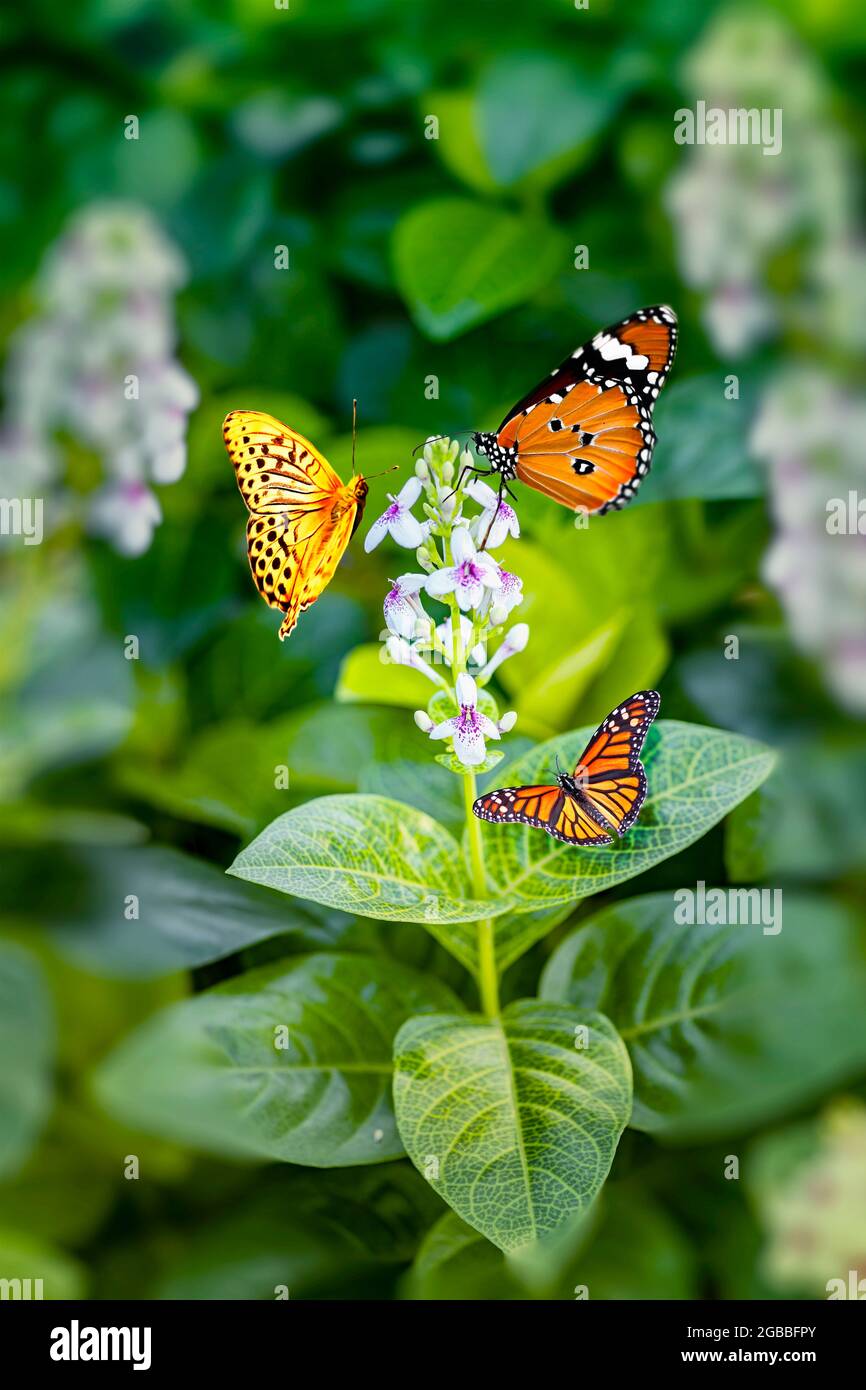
<point x="468" y="468"/>
<point x="503" y="487"/>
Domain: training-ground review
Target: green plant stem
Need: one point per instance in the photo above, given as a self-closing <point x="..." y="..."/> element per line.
<point x="488" y="975"/>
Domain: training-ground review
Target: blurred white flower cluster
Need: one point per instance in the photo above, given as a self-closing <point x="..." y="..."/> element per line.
<point x="810" y="432"/>
<point x="457" y="569"/>
<point x="736" y="210"/>
<point x="96" y="365"/>
<point x="774" y="243"/>
<point x="817" y="1219"/>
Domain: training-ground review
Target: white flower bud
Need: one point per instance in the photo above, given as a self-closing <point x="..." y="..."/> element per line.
<point x="517" y="638"/>
<point x="508" y="721"/>
<point x="423" y="720"/>
<point x="421" y="470"/>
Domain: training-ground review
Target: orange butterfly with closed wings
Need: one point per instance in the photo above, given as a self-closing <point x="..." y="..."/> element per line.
<point x="584" y="435"/>
<point x="604" y="793"/>
<point x="302" y="514"/>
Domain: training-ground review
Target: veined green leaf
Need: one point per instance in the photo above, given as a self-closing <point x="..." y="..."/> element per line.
<point x="727" y="1025"/>
<point x="290" y="1062"/>
<point x="369" y="855"/>
<point x="514" y="1121"/>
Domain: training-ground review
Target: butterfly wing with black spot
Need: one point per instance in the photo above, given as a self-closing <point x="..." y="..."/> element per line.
<point x="277" y="469"/>
<point x="302" y="515"/>
<point x="584" y="435"/>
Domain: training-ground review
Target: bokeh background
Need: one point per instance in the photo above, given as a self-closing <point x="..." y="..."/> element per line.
<point x="242" y="205"/>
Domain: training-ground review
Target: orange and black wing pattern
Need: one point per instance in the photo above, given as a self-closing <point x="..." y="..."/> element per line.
<point x="610" y="780"/>
<point x="302" y="514"/>
<point x="584" y="435"/>
<point x="547" y="807"/>
<point x="603" y="795"/>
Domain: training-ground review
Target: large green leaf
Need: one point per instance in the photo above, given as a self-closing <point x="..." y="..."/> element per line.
<point x="26" y="1046"/>
<point x="727" y="1026"/>
<point x="626" y="1247"/>
<point x="229" y="777"/>
<point x="369" y="855"/>
<point x="538" y="117"/>
<point x="514" y="1121"/>
<point x="459" y="262"/>
<point x="603" y="578"/>
<point x="336" y="1234"/>
<point x="713" y="462"/>
<point x="695" y="776"/>
<point x="548" y="703"/>
<point x="239" y="774"/>
<point x="188" y="912"/>
<point x="65" y="1188"/>
<point x="637" y="662"/>
<point x="24" y="1257"/>
<point x="456" y="1262"/>
<point x="779" y="832"/>
<point x="636" y="1252"/>
<point x="212" y="1071"/>
<point x="366" y="677"/>
<point x="458" y="144"/>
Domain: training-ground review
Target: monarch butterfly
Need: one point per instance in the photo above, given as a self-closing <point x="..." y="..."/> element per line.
<point x="584" y="435"/>
<point x="605" y="792"/>
<point x="302" y="515"/>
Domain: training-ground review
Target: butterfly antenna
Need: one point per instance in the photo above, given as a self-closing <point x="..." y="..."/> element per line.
<point x="354" y="431"/>
<point x="393" y="469"/>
